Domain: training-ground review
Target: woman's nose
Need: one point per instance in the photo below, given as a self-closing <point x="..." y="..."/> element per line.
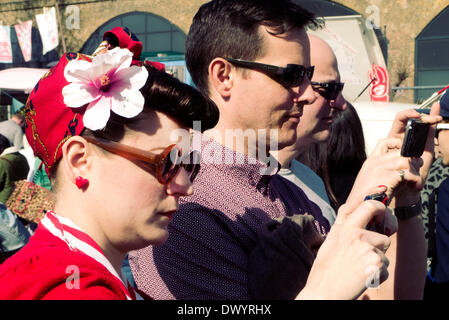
<point x="180" y="184"/>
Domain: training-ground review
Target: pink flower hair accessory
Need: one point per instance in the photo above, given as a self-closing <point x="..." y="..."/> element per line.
<point x="108" y="83"/>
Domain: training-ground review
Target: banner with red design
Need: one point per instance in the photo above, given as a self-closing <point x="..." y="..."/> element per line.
<point x="5" y="44"/>
<point x="380" y="83"/>
<point x="23" y="31"/>
<point x="48" y="29"/>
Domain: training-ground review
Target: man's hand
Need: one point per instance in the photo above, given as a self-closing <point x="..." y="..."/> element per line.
<point x="351" y="259"/>
<point x="400" y="123"/>
<point x="408" y="194"/>
<point x="385" y="166"/>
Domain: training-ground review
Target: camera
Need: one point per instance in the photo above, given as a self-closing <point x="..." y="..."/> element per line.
<point x="415" y="138"/>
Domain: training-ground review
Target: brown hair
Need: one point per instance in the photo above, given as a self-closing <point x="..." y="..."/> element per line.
<point x="229" y="29"/>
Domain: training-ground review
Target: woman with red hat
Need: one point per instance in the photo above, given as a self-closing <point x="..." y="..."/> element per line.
<point x="102" y="126"/>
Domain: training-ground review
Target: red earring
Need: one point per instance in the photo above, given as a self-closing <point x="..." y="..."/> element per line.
<point x="81" y="182"/>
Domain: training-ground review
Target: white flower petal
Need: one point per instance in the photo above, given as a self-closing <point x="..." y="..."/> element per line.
<point x="112" y="60"/>
<point x="77" y="71"/>
<point x="78" y="94"/>
<point x="125" y="61"/>
<point x="122" y="57"/>
<point x="121" y="95"/>
<point x="99" y="69"/>
<point x="97" y="114"/>
<point x="129" y="104"/>
<point x="135" y="76"/>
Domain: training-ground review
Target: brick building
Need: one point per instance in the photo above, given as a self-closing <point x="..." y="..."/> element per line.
<point x="414" y="34"/>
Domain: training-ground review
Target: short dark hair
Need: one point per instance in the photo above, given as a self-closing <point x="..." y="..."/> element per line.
<point x="229" y="28"/>
<point x="19" y="116"/>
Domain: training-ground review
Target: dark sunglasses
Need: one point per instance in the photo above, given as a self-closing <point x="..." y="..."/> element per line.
<point x="290" y="76"/>
<point x="328" y="90"/>
<point x="164" y="165"/>
<point x="443" y="125"/>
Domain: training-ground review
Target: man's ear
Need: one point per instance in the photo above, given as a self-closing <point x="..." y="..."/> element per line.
<point x="75" y="158"/>
<point x="221" y="76"/>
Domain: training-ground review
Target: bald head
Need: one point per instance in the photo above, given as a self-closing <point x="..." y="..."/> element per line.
<point x="314" y="125"/>
<point x="323" y="58"/>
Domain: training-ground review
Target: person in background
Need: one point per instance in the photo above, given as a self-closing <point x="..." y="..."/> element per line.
<point x="436" y="214"/>
<point x="103" y="127"/>
<point x="13" y="167"/>
<point x="314" y="130"/>
<point x="314" y="126"/>
<point x="252" y="58"/>
<point x="13" y="129"/>
<point x="13" y="234"/>
<point x="338" y="160"/>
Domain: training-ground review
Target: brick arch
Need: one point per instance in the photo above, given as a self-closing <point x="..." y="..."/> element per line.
<point x="431" y="50"/>
<point x="95" y="14"/>
<point x="434" y="20"/>
<point x="156" y="33"/>
<point x="437" y="10"/>
<point x="404" y="21"/>
<point x="391" y="12"/>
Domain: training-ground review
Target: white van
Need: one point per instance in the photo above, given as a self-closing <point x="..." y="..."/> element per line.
<point x="377" y="118"/>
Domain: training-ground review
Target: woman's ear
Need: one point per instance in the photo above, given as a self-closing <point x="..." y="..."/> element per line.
<point x="221" y="76"/>
<point x="75" y="158"/>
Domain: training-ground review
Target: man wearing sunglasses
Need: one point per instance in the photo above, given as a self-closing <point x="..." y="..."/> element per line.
<point x="317" y="118"/>
<point x="252" y="58"/>
<point x="314" y="127"/>
<point x="315" y="123"/>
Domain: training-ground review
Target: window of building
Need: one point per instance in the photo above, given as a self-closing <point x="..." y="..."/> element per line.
<point x="431" y="54"/>
<point x="156" y="33"/>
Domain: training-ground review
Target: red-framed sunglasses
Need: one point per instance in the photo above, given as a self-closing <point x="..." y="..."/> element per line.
<point x="164" y="165"/>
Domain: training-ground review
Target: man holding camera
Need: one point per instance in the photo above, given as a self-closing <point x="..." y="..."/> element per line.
<point x="252" y="59"/>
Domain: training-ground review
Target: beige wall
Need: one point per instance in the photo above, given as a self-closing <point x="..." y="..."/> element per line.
<point x="95" y="14"/>
<point x="403" y="19"/>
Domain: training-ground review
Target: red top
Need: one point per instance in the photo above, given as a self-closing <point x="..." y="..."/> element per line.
<point x="49" y="267"/>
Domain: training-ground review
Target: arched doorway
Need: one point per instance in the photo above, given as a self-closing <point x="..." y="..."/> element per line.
<point x="157" y="34"/>
<point x="431" y="56"/>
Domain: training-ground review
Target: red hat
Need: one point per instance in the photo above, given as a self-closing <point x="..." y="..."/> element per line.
<point x="49" y="120"/>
